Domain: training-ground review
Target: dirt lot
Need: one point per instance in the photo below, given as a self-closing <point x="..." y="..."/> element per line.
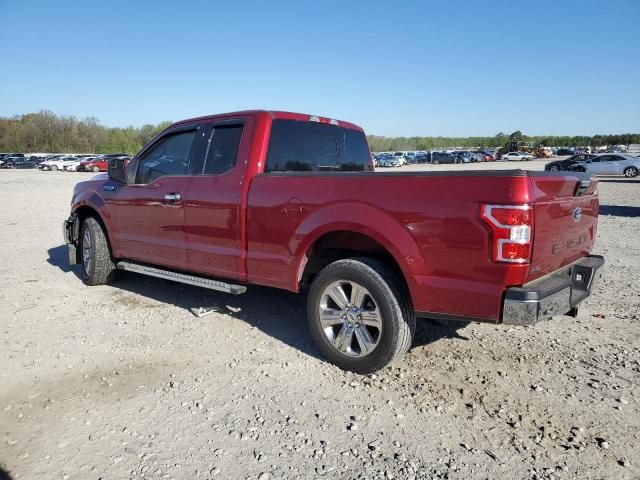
<point x="124" y="382"/>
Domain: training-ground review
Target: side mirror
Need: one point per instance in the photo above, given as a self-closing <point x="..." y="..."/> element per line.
<point x="116" y="170"/>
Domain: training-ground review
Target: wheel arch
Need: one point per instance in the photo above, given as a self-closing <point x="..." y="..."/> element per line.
<point x="95" y="207"/>
<point x="351" y="233"/>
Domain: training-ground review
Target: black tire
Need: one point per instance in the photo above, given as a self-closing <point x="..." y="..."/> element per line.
<point x="631" y="172"/>
<point x="394" y="305"/>
<point x="53" y="168"/>
<point x="100" y="270"/>
<point x="554" y="168"/>
<point x="95" y="169"/>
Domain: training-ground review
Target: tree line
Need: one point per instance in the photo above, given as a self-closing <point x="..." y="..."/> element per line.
<point x="387" y="144"/>
<point x="45" y="131"/>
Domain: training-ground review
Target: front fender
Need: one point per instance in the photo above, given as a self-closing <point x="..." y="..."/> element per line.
<point x="363" y="219"/>
<point x="91" y="199"/>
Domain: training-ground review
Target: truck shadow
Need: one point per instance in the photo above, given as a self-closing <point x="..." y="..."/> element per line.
<point x="616" y="180"/>
<point x="59" y="257"/>
<point x="620" y="210"/>
<point x="277" y="313"/>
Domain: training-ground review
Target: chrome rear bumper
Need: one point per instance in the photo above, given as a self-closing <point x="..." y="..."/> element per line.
<point x="556" y="294"/>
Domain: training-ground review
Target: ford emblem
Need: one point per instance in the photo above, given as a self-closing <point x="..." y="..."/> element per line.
<point x="576" y="214"/>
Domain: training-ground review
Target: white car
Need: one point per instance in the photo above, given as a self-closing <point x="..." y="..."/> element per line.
<point x="517" y="156"/>
<point x="71" y="165"/>
<point x="57" y="164"/>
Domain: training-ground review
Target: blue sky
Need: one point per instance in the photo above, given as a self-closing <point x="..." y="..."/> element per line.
<point x="396" y="68"/>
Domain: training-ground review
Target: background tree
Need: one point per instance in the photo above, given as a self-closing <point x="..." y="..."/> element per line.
<point x="46" y="132"/>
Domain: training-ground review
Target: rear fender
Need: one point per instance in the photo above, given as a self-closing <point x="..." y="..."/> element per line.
<point x="358" y="218"/>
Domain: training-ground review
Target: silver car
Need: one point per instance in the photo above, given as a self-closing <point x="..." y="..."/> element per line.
<point x="610" y="164"/>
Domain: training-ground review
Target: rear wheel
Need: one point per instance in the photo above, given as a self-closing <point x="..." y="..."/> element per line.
<point x="95" y="169"/>
<point x="97" y="266"/>
<point x="554" y="168"/>
<point x="360" y="315"/>
<point x="54" y="168"/>
<point x="631" y="172"/>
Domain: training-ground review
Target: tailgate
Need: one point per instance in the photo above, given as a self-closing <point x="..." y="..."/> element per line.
<point x="565" y="220"/>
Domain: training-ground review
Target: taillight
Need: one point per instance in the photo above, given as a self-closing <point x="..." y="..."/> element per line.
<point x="511" y="231"/>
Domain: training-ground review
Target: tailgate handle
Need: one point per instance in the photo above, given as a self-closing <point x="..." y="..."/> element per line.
<point x="582" y="187"/>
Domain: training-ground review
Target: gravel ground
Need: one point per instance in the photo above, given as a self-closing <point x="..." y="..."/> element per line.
<point x="124" y="382"/>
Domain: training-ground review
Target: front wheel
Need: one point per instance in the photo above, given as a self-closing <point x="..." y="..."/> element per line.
<point x="360" y="315"/>
<point x="95" y="169"/>
<point x="97" y="266"/>
<point x="631" y="172"/>
<point x="554" y="168"/>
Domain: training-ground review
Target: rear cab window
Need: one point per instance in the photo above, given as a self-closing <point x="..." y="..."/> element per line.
<point x="299" y="146"/>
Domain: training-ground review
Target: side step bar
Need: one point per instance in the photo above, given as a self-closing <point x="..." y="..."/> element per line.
<point x="182" y="278"/>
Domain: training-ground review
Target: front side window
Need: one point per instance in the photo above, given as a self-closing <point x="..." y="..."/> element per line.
<point x="222" y="149"/>
<point x="170" y="156"/>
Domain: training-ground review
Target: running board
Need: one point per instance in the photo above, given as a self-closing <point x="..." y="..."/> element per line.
<point x="182" y="278"/>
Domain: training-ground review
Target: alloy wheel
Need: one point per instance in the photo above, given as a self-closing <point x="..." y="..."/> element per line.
<point x="350" y="318"/>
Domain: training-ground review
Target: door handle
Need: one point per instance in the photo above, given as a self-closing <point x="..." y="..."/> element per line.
<point x="172" y="198"/>
<point x="293" y="210"/>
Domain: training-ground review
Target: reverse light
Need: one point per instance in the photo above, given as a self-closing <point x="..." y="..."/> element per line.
<point x="328" y="121"/>
<point x="511" y="231"/>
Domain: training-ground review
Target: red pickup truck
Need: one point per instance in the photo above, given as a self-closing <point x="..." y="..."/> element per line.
<point x="291" y="201"/>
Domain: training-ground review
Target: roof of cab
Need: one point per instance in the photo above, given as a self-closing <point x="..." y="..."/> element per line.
<point x="273" y="114"/>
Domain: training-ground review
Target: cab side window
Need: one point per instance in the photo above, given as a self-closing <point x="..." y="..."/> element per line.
<point x="222" y="149"/>
<point x="170" y="156"/>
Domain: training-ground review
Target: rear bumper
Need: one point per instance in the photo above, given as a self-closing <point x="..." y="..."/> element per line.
<point x="555" y="294"/>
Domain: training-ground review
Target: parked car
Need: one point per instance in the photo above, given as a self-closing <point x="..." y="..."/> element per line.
<point x="9" y="159"/>
<point x="567" y="162"/>
<point x="463" y="156"/>
<point x="518" y="156"/>
<point x="389" y="161"/>
<point x="101" y="163"/>
<point x="227" y="201"/>
<point x="609" y="164"/>
<point x="399" y="156"/>
<point x="71" y="165"/>
<point x="20" y="162"/>
<point x="443" y="157"/>
<point x="57" y="163"/>
<point x="565" y="151"/>
<point x="423" y="157"/>
<point x="487" y="156"/>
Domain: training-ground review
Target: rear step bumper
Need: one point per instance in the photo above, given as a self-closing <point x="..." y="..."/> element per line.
<point x="556" y="294"/>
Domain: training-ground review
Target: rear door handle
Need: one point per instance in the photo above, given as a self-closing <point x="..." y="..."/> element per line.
<point x="293" y="210"/>
<point x="172" y="198"/>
